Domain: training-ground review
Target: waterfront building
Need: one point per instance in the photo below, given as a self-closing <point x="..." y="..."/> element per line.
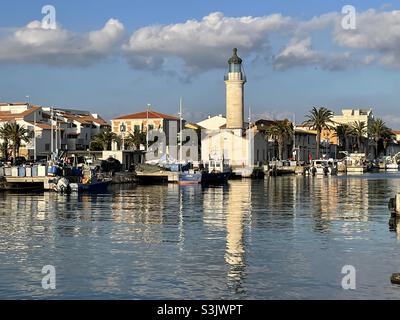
<point x="305" y="144"/>
<point x="213" y="123"/>
<point x="230" y="138"/>
<point x="396" y="134"/>
<point x="300" y="147"/>
<point x="351" y="116"/>
<point x="79" y="127"/>
<point x="331" y="143"/>
<point x="72" y="129"/>
<point x="144" y="122"/>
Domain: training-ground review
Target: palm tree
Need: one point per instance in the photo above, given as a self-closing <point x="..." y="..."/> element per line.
<point x="379" y="131"/>
<point x="280" y="131"/>
<point x="105" y="139"/>
<point x="5" y="142"/>
<point x="360" y="130"/>
<point x="319" y="119"/>
<point x="135" y="139"/>
<point x="16" y="135"/>
<point x="344" y="132"/>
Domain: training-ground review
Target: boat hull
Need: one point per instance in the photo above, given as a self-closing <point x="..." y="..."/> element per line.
<point x="189" y="178"/>
<point x="351" y="169"/>
<point x="97" y="187"/>
<point x="215" y="178"/>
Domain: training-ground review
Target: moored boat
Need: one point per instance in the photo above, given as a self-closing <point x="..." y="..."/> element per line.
<point x="324" y="167"/>
<point x="356" y="163"/>
<point x="185" y="178"/>
<point x="216" y="172"/>
<point x="92" y="187"/>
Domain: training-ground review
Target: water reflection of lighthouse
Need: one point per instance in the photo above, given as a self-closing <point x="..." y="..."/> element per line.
<point x="238" y="204"/>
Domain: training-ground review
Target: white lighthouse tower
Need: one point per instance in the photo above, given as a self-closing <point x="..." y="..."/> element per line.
<point x="235" y="80"/>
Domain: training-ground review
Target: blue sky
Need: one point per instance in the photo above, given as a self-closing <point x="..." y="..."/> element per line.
<point x="290" y="66"/>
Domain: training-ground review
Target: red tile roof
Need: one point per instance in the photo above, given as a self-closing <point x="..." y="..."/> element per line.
<point x="44" y="126"/>
<point x="151" y="115"/>
<point x="84" y="119"/>
<point x="8" y="116"/>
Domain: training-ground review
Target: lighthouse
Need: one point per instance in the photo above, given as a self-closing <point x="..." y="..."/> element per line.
<point x="234" y="81"/>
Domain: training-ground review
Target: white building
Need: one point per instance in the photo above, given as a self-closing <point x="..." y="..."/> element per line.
<point x="230" y="138"/>
<point x="72" y="129"/>
<point x="351" y="116"/>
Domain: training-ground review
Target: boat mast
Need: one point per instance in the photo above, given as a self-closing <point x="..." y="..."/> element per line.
<point x="147" y="127"/>
<point x="52" y="134"/>
<point x="294" y="137"/>
<point x="180" y="130"/>
<point x="56" y="138"/>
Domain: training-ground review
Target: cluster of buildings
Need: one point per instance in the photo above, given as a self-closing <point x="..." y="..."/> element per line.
<point x="52" y="130"/>
<point x="243" y="144"/>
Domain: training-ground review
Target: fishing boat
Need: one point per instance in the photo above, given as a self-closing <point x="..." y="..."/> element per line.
<point x="90" y="182"/>
<point x="216" y="172"/>
<point x="91" y="187"/>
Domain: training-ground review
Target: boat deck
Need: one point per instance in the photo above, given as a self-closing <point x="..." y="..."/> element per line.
<point x="167" y="176"/>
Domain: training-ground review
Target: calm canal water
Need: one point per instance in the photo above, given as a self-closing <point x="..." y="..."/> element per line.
<point x="282" y="238"/>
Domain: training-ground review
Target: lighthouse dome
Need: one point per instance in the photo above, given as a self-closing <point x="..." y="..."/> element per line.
<point x="235" y="58"/>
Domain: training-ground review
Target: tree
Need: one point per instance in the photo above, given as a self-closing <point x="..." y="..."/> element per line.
<point x="344" y="132"/>
<point x="5" y="145"/>
<point x="379" y="132"/>
<point x="360" y="130"/>
<point x="319" y="119"/>
<point x="105" y="139"/>
<point x="16" y="135"/>
<point x="135" y="139"/>
<point x="280" y="131"/>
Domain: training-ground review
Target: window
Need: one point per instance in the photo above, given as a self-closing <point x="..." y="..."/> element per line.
<point x="151" y="127"/>
<point x="47" y="147"/>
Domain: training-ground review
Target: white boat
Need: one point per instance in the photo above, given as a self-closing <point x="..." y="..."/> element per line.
<point x="356" y="163"/>
<point x="324" y="167"/>
<point x="390" y="163"/>
<point x="392" y="167"/>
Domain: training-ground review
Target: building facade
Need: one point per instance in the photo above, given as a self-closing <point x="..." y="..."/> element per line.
<point x="152" y="122"/>
<point x="52" y="130"/>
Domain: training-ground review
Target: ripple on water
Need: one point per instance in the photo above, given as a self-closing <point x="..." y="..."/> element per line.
<point x="285" y="237"/>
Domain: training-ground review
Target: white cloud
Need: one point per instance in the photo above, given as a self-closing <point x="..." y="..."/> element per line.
<point x="203" y="44"/>
<point x="299" y="52"/>
<point x="199" y="45"/>
<point x="33" y="44"/>
<point x="377" y="33"/>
